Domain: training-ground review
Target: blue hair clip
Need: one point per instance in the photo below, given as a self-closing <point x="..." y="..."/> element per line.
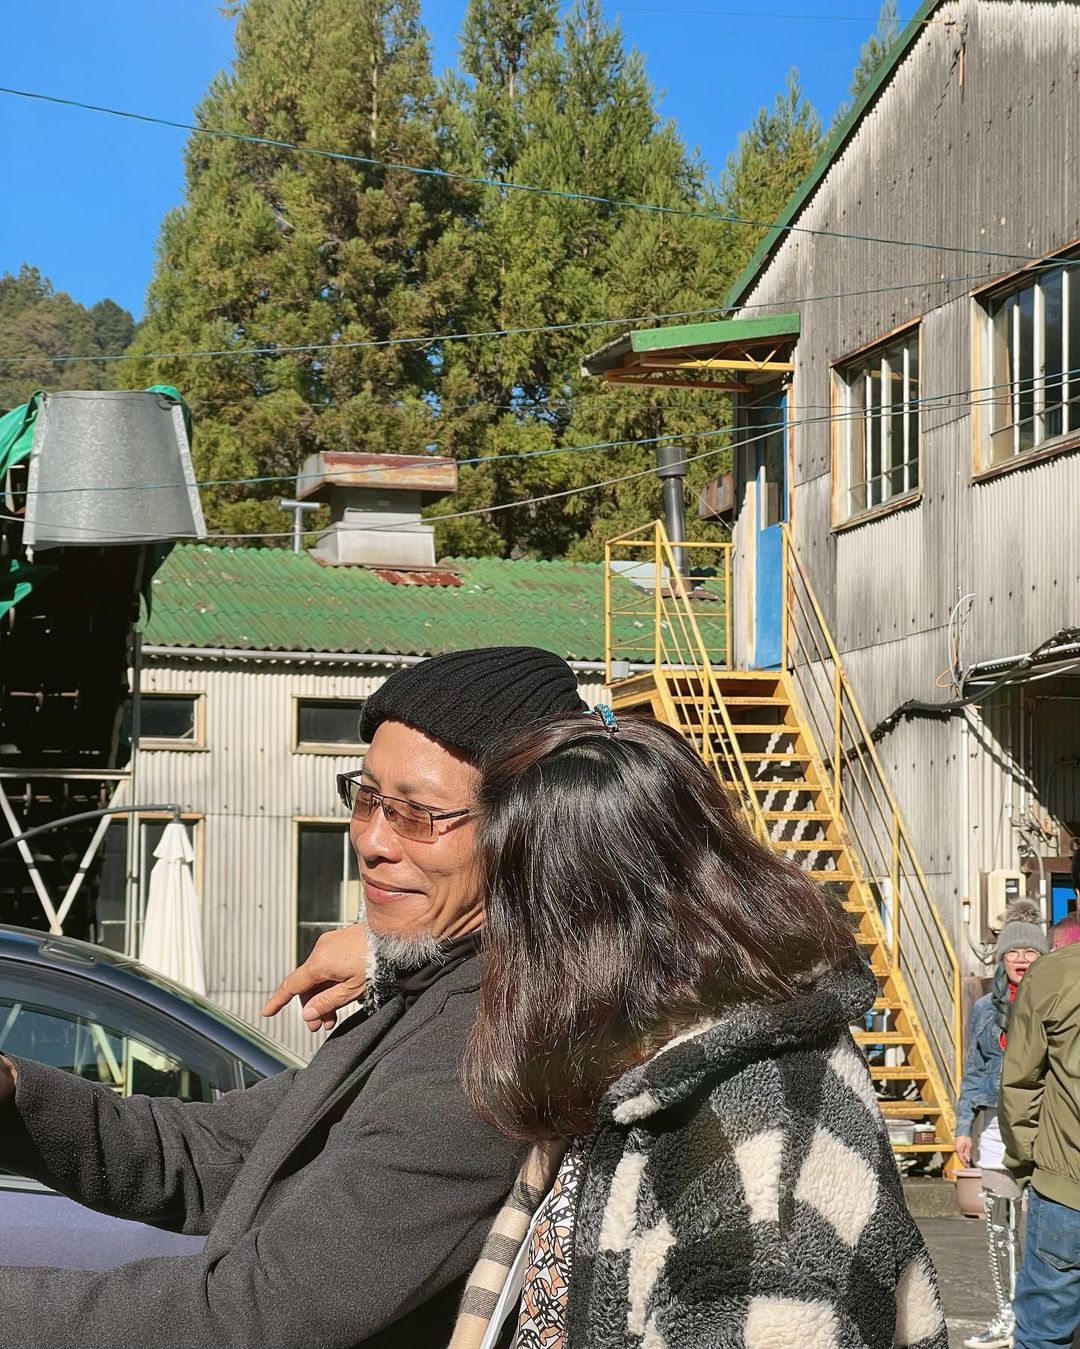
<point x="607" y="717"/>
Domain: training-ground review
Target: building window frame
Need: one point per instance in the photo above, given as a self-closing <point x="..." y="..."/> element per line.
<point x="869" y="478"/>
<point x="1014" y="424"/>
<point x="338" y="747"/>
<point x="350" y="894"/>
<point x="194" y="821"/>
<point x="198" y="738"/>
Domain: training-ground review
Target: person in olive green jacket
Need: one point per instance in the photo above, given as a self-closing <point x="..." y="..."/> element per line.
<point x="1040" y="1125"/>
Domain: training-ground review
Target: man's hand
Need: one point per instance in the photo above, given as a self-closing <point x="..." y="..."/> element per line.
<point x="8" y="1078"/>
<point x="332" y="976"/>
<point x="961" y="1145"/>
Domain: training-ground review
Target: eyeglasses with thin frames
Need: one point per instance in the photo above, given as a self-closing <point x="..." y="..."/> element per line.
<point x="405" y="818"/>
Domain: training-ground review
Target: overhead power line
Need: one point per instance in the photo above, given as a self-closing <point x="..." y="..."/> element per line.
<point x="924" y="403"/>
<point x="270" y="349"/>
<point x="760" y="15"/>
<point x="477" y="180"/>
<point x="952" y="401"/>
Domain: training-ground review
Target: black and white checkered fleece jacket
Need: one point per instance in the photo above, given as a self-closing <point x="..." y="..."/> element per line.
<point x="740" y="1192"/>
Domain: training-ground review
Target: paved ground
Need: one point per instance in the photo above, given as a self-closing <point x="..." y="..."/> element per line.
<point x="958" y="1246"/>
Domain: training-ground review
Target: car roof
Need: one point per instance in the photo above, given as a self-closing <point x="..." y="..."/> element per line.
<point x="124" y="975"/>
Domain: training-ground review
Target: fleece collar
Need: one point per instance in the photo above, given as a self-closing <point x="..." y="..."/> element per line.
<point x="736" y="1038"/>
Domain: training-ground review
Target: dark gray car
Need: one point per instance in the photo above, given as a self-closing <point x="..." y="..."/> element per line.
<point x="110" y="1020"/>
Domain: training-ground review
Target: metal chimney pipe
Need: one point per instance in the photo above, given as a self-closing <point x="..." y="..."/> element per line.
<point x="671" y="470"/>
<point x="298" y="508"/>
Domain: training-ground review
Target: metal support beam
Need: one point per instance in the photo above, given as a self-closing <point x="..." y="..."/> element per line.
<point x="715" y="363"/>
<point x="31" y="864"/>
<point x="91" y="852"/>
<point x="643" y="379"/>
<point x="131" y="878"/>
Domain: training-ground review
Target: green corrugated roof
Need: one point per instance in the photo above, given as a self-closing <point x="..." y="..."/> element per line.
<point x="264" y="599"/>
<point x="836" y="142"/>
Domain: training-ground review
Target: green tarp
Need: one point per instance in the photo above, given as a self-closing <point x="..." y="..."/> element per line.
<point x="17" y="433"/>
<point x="18" y="581"/>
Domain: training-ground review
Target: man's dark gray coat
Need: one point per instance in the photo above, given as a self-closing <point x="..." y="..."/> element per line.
<point x="343" y="1203"/>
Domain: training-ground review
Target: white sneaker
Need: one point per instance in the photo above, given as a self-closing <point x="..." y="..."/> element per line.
<point x="997" y="1335"/>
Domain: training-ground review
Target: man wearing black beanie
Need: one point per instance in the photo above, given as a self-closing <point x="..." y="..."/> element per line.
<point x="345" y="1203"/>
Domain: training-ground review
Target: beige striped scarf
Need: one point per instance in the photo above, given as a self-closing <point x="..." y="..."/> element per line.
<point x="503" y="1243"/>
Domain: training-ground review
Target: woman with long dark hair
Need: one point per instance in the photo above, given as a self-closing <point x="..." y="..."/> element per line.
<point x="664" y="1013"/>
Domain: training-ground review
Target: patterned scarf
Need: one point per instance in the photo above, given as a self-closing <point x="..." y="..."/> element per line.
<point x="502" y="1245"/>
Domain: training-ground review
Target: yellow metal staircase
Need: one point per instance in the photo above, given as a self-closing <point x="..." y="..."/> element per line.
<point x="794" y="748"/>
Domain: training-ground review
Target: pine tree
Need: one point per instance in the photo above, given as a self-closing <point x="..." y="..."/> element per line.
<point x="274" y="249"/>
<point x="874" y="53"/>
<point x="39" y="323"/>
<point x="772" y="158"/>
<point x="583" y="121"/>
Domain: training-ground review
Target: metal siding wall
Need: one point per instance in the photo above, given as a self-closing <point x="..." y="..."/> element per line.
<point x="251" y="786"/>
<point x="1025" y="753"/>
<point x="1055" y="758"/>
<point x="998" y="785"/>
<point x="982" y="164"/>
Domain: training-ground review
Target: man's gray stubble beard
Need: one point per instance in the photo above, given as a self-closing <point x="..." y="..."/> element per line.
<point x="403" y="952"/>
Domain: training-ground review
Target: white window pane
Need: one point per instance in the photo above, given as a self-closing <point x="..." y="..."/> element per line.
<point x="1025" y="371"/>
<point x="1053" y="354"/>
<point x="914" y="408"/>
<point x="1073" y="358"/>
<point x="881" y="425"/>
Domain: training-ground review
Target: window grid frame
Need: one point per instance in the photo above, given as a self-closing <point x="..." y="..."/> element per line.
<point x="325" y="824"/>
<point x="860" y="419"/>
<point x="1008" y="392"/>
<point x="158" y="742"/>
<point x="327" y="747"/>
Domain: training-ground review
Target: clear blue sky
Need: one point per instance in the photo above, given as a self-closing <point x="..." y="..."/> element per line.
<point x="86" y="193"/>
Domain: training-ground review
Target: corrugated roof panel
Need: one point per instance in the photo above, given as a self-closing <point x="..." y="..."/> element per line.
<point x="263" y="599"/>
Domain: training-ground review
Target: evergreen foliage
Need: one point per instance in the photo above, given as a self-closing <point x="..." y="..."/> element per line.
<point x="274" y="249"/>
<point x="39" y="322"/>
<point x="875" y="51"/>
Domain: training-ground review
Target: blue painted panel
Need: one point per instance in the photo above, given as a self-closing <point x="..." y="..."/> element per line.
<point x="769" y="599"/>
<point x="1062" y="898"/>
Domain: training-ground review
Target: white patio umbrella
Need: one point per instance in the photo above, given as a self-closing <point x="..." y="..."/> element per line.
<point x="172" y="928"/>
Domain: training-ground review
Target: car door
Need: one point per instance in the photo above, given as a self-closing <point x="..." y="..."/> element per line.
<point x="83" y="1027"/>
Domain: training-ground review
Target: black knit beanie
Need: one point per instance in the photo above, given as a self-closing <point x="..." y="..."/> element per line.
<point x="468" y="699"/>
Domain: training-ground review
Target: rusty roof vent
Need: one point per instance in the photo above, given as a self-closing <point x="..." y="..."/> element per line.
<point x="375" y="502"/>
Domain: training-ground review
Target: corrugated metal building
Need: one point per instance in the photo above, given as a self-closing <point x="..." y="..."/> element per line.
<point x="256" y="662"/>
<point x="913" y="414"/>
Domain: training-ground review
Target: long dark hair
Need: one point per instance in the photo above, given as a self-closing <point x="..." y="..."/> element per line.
<point x="625" y="901"/>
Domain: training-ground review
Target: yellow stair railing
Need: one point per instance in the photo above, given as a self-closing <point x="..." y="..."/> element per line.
<point x="688" y="645"/>
<point x="678" y="615"/>
<point x="902" y="903"/>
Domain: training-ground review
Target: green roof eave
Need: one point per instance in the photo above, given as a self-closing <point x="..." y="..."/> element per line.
<point x="836" y="142"/>
<point x="713" y="334"/>
<point x="684" y="335"/>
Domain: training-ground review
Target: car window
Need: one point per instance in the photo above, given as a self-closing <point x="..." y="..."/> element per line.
<point x="96" y="1052"/>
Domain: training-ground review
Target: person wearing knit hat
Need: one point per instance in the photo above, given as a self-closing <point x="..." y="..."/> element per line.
<point x="344" y="1203"/>
<point x="1021" y="941"/>
<point x="466" y="699"/>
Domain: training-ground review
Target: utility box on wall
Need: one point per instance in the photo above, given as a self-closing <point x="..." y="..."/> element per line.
<point x="1000" y="889"/>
